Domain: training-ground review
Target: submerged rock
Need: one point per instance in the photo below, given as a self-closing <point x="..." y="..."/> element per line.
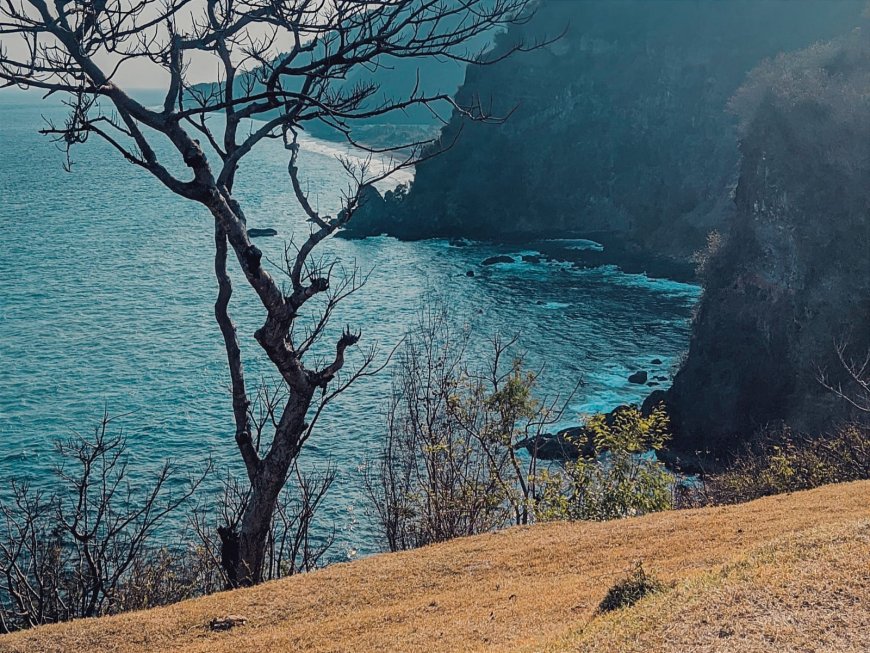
<point x="493" y="260"/>
<point x="638" y="377"/>
<point x="259" y="233"/>
<point x="568" y="444"/>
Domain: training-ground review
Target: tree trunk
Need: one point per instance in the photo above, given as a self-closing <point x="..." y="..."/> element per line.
<point x="243" y="553"/>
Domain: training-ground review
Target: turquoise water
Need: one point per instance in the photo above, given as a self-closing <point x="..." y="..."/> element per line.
<point x="106" y="300"/>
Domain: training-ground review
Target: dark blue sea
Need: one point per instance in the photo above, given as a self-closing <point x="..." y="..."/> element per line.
<point x="107" y="293"/>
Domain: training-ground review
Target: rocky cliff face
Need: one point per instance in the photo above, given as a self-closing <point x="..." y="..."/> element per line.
<point x="617" y="131"/>
<point x="793" y="277"/>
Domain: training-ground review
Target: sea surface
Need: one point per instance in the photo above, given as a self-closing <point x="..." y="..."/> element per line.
<point x="107" y="294"/>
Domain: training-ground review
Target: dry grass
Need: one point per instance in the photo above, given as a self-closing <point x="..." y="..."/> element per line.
<point x="785" y="573"/>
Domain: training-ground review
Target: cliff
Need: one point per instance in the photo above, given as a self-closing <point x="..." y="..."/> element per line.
<point x="617" y="131"/>
<point x="792" y="278"/>
<point x="770" y="575"/>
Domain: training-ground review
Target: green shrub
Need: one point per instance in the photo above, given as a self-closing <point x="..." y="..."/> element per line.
<point x="623" y="479"/>
<point x="781" y="461"/>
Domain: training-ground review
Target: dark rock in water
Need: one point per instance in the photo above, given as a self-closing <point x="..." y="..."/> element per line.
<point x="656" y="361"/>
<point x="652" y="384"/>
<point x="573" y="442"/>
<point x="660" y="378"/>
<point x="459" y="242"/>
<point x="470" y="273"/>
<point x="638" y="377"/>
<point x="531" y="258"/>
<point x="492" y="260"/>
<point x="259" y="233"/>
<point x="373" y="213"/>
<point x="567" y="444"/>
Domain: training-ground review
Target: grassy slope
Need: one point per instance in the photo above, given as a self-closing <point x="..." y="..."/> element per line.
<point x="786" y="573"/>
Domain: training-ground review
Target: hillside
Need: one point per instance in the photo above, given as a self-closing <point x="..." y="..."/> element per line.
<point x="784" y="573"/>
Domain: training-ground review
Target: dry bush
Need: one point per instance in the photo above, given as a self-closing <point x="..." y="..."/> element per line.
<point x="79" y="551"/>
<point x="781" y="461"/>
<point x="631" y="589"/>
<point x="450" y="463"/>
<point x="97" y="543"/>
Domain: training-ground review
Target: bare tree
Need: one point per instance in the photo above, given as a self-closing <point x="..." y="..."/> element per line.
<point x="450" y="462"/>
<point x="73" y="553"/>
<point x="291" y="545"/>
<point x="856" y="389"/>
<point x="283" y="64"/>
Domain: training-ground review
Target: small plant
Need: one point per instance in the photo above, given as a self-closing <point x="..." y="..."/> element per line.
<point x="631" y="589"/>
<point x="703" y="258"/>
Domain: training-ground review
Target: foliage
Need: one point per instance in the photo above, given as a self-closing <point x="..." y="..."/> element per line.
<point x="781" y="461"/>
<point x="631" y="589"/>
<point x="449" y="465"/>
<point x="623" y="479"/>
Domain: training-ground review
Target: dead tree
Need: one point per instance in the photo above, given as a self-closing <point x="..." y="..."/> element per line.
<point x="282" y="66"/>
<point x="81" y="551"/>
<point x="855" y="391"/>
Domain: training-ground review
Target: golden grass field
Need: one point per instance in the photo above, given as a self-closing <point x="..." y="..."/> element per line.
<point x="784" y="573"/>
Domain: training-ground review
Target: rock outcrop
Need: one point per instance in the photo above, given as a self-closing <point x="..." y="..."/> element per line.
<point x="618" y="131"/>
<point x="792" y="279"/>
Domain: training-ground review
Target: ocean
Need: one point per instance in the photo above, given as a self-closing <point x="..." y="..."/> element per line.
<point x="107" y="294"/>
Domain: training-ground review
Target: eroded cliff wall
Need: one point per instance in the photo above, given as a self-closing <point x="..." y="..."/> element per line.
<point x="792" y="279"/>
<point x="617" y="131"/>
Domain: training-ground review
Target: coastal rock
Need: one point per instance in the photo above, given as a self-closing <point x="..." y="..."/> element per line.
<point x="792" y="276"/>
<point x="578" y="441"/>
<point x="531" y="258"/>
<point x="493" y="260"/>
<point x="638" y="377"/>
<point x="568" y="444"/>
<point x="372" y="215"/>
<point x="656" y="361"/>
<point x="609" y="152"/>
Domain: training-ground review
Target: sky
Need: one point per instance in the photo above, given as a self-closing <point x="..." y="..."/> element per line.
<point x="144" y="74"/>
